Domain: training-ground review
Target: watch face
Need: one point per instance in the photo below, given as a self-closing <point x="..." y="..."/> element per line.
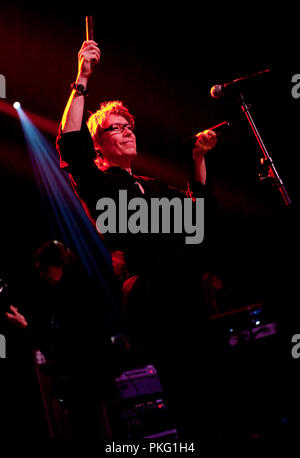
<point x="80" y="87"/>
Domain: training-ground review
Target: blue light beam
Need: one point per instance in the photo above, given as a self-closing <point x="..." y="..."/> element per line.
<point x="75" y="227"/>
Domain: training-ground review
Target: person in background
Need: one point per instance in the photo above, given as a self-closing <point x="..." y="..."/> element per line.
<point x="68" y="327"/>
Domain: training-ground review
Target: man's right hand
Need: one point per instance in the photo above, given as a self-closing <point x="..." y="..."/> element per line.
<point x="88" y="57"/>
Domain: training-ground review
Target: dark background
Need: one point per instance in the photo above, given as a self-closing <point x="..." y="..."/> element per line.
<point x="161" y="61"/>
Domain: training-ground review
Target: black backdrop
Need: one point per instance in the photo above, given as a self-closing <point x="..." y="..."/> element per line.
<point x="162" y="60"/>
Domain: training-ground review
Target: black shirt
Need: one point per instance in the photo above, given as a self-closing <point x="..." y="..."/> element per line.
<point x="143" y="252"/>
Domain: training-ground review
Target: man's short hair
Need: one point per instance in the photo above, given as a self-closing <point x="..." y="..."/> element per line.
<point x="96" y="121"/>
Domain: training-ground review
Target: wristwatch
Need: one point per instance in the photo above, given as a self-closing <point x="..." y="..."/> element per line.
<point x="79" y="88"/>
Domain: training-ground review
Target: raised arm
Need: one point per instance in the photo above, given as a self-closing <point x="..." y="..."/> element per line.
<point x="88" y="57"/>
<point x="206" y="141"/>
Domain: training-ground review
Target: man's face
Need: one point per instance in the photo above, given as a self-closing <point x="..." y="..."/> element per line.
<point x="116" y="146"/>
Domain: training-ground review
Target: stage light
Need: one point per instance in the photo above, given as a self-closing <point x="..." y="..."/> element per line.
<point x="67" y="218"/>
<point x="17" y="105"/>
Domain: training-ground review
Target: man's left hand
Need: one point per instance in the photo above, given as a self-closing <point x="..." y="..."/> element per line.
<point x="205" y="142"/>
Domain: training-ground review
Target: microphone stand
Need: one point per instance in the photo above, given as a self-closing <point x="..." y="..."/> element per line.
<point x="271" y="172"/>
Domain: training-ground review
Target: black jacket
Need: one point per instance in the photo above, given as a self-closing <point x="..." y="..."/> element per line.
<point x="144" y="253"/>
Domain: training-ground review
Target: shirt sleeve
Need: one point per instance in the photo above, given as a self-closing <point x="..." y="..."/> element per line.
<point x="197" y="189"/>
<point x="76" y="149"/>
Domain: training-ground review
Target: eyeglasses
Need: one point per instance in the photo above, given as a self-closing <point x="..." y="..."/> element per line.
<point x="118" y="128"/>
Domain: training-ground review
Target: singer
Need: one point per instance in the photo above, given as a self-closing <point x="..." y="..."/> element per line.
<point x="156" y="274"/>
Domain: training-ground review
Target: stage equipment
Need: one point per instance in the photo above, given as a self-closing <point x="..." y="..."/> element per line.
<point x="219" y="90"/>
<point x="269" y="172"/>
<point x="244" y="324"/>
<point x="16" y="105"/>
<point x="143" y="405"/>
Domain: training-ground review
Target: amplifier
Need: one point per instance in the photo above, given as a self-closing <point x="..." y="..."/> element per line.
<point x="139" y="382"/>
<point x="244" y="324"/>
<point x="143" y="404"/>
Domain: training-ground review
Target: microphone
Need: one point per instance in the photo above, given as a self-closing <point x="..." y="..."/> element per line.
<point x="89" y="27"/>
<point x="219" y="90"/>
